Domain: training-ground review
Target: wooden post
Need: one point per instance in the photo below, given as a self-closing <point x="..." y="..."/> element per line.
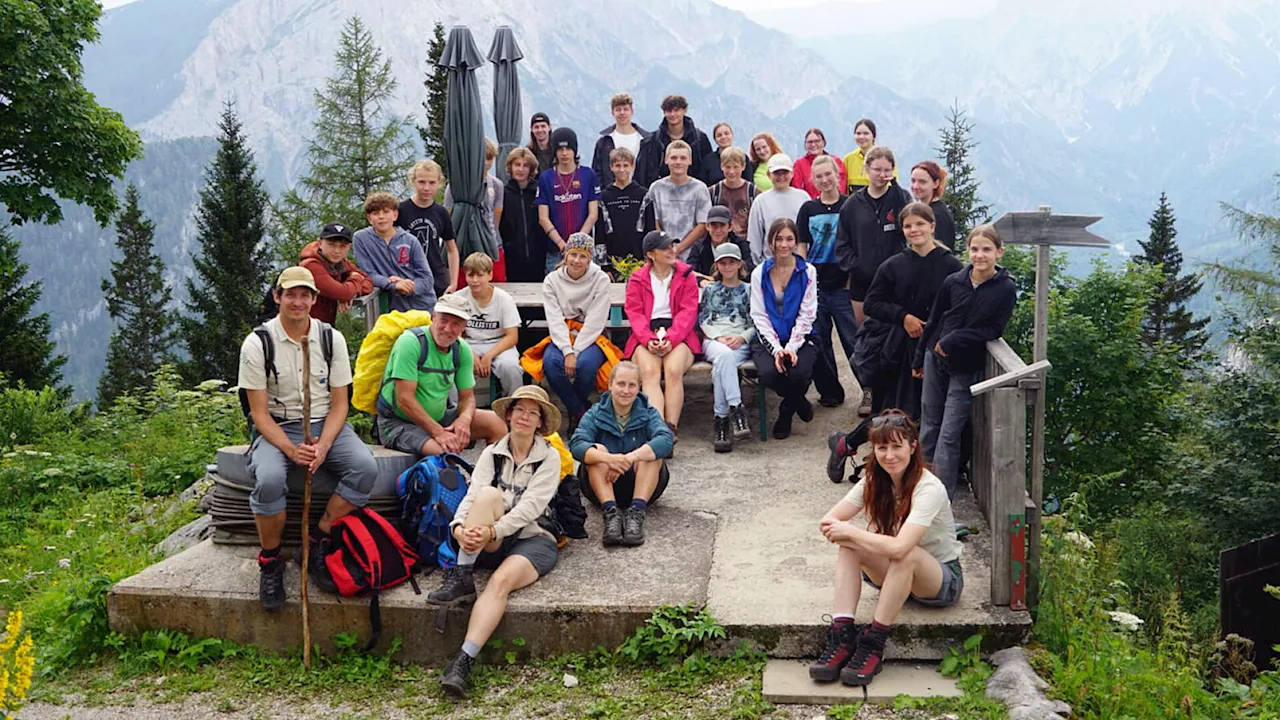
<point x="306" y="502"/>
<point x="1040" y="350"/>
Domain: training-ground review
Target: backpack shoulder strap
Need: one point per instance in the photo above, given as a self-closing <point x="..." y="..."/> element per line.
<point x="268" y="351"/>
<point x="326" y="344"/>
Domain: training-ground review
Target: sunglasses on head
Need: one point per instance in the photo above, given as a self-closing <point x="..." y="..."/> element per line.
<point x="895" y="420"/>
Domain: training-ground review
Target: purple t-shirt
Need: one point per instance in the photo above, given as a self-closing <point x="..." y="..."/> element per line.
<point x="567" y="196"/>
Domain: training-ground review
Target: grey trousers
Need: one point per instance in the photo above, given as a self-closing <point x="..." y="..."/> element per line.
<point x="944" y="412"/>
<point x="349" y="458"/>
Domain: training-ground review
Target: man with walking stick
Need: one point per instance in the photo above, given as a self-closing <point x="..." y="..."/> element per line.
<point x="271" y="374"/>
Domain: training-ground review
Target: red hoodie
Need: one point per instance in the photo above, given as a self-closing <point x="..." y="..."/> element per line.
<point x="684" y="308"/>
<point x="339" y="285"/>
<point x="802" y="175"/>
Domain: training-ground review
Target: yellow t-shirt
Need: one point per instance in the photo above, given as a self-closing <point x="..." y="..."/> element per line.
<point x="857" y="174"/>
<point x="761" y="177"/>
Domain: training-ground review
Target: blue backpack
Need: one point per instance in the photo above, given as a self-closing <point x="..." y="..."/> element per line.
<point x="431" y="492"/>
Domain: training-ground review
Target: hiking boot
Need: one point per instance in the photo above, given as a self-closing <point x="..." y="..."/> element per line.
<point x="867" y="660"/>
<point x="841" y="643"/>
<point x="459" y="586"/>
<point x="832" y="401"/>
<point x="835" y="457"/>
<point x="721" y="435"/>
<point x="612" y="527"/>
<point x="633" y="527"/>
<point x="805" y="410"/>
<point x="316" y="567"/>
<point x="782" y="426"/>
<point x="864" y="407"/>
<point x="738" y="419"/>
<point x="271" y="583"/>
<point x="456" y="679"/>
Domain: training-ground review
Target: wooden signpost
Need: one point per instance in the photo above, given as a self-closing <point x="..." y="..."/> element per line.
<point x="1044" y="230"/>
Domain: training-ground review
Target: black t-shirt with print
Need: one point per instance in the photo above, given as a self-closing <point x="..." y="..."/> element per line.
<point x="432" y="226"/>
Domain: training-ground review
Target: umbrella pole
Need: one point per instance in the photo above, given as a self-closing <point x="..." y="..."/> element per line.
<point x="306" y="503"/>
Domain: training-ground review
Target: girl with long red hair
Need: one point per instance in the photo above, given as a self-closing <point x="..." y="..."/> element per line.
<point x="908" y="549"/>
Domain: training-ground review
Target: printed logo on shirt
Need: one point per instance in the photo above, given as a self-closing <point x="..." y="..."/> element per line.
<point x="569" y="196"/>
<point x="891" y="217"/>
<point x="403" y="257"/>
<point x="482" y="323"/>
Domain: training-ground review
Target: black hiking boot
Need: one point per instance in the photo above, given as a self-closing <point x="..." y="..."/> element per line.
<point x="867" y="660"/>
<point x="316" y="567"/>
<point x="835" y="457"/>
<point x="738" y="419"/>
<point x="782" y="426"/>
<point x="271" y="582"/>
<point x="633" y="527"/>
<point x="721" y="435"/>
<point x="804" y="410"/>
<point x="456" y="679"/>
<point x="842" y="642"/>
<point x="612" y="527"/>
<point x="459" y="586"/>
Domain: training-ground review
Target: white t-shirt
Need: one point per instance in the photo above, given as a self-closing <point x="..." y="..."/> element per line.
<point x="630" y="142"/>
<point x="489" y="323"/>
<point x="661" y="296"/>
<point x="930" y="508"/>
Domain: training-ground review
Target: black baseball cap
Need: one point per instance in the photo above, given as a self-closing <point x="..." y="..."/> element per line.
<point x="657" y="240"/>
<point x="719" y="214"/>
<point x="539" y="117"/>
<point x="336" y="231"/>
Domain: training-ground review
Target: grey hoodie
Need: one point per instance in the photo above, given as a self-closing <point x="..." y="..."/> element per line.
<point x="585" y="300"/>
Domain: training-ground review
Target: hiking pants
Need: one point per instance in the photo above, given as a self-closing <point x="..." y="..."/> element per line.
<point x="944" y="413"/>
<point x="834" y="308"/>
<point x="724" y="373"/>
<point x="794" y="383"/>
<point x="349" y="459"/>
<point x="506" y="366"/>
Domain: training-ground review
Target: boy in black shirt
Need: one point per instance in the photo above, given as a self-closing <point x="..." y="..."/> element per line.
<point x="624" y="228"/>
<point x="429" y="221"/>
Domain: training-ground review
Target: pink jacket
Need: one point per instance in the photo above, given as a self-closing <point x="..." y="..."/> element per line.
<point x="802" y="175"/>
<point x="684" y="308"/>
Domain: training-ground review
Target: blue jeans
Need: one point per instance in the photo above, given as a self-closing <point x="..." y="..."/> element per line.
<point x="724" y="373"/>
<point x="833" y="308"/>
<point x="944" y="413"/>
<point x="553" y="259"/>
<point x="573" y="393"/>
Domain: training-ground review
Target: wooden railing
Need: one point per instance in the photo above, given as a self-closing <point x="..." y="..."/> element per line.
<point x="999" y="469"/>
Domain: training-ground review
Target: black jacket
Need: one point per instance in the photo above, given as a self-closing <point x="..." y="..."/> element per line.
<point x="862" y="242"/>
<point x="523" y="241"/>
<point x="944" y="230"/>
<point x="906" y="284"/>
<point x="604" y="146"/>
<point x="703" y="256"/>
<point x="964" y="318"/>
<point x="711" y="166"/>
<point x="652" y="164"/>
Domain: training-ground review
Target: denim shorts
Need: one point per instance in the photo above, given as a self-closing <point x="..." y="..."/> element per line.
<point x="948" y="594"/>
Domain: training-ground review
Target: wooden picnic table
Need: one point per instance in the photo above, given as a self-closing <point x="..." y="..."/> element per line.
<point x="529" y="295"/>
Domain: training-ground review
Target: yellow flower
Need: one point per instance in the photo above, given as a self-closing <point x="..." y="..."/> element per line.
<point x="12" y="626"/>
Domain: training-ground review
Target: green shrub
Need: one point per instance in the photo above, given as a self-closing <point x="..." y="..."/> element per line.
<point x="672" y="634"/>
<point x="33" y="416"/>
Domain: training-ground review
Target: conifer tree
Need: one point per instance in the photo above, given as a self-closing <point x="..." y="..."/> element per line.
<point x="1168" y="319"/>
<point x="956" y="143"/>
<point x="26" y="354"/>
<point x="357" y="147"/>
<point x="138" y="300"/>
<point x="1256" y="280"/>
<point x="437" y="84"/>
<point x="232" y="271"/>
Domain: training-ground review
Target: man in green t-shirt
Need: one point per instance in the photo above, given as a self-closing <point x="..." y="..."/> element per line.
<point x="414" y="410"/>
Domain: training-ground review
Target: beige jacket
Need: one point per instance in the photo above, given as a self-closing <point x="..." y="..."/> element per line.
<point x="527" y="489"/>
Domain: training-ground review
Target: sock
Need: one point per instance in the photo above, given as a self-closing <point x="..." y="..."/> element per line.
<point x="268" y="554"/>
<point x="879" y="627"/>
<point x="840" y="617"/>
<point x="471" y="649"/>
<point x="608" y="505"/>
<point x="466" y="559"/>
<point x="638" y="504"/>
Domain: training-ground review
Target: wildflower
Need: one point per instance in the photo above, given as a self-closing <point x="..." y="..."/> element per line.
<point x="1079" y="539"/>
<point x="12" y="625"/>
<point x="64" y="563"/>
<point x="1128" y="621"/>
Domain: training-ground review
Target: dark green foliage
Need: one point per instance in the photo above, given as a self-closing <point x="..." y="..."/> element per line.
<point x="55" y="140"/>
<point x="26" y="354"/>
<point x="671" y="634"/>
<point x="232" y="268"/>
<point x="357" y="146"/>
<point x="138" y="299"/>
<point x="437" y="85"/>
<point x="955" y="145"/>
<point x="1168" y="319"/>
<point x="1254" y="282"/>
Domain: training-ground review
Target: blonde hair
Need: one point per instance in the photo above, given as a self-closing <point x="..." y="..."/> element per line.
<point x="380" y="201"/>
<point x="477" y="263"/>
<point x="490" y="149"/>
<point x="425" y="166"/>
<point x="624" y="365"/>
<point x="619" y="100"/>
<point x="525" y="155"/>
<point x="675" y="145"/>
<point x="825" y="160"/>
<point x="731" y="155"/>
<point x="622" y="154"/>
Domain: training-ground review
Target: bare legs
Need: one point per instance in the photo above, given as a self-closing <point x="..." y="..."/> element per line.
<point x="514" y="573"/>
<point x="670" y="403"/>
<point x="917" y="573"/>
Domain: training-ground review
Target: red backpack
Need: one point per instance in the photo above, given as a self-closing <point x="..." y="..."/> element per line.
<point x="369" y="556"/>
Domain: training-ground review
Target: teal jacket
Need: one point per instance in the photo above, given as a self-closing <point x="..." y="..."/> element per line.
<point x="599" y="425"/>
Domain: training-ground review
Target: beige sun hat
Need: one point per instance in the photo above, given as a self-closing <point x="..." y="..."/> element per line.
<point x="550" y="413"/>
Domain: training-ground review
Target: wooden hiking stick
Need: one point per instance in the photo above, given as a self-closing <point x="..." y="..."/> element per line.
<point x="306" y="502"/>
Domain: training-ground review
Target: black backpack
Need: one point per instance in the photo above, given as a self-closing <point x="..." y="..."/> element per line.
<point x="269" y="364"/>
<point x="268" y="308"/>
<point x="565" y="517"/>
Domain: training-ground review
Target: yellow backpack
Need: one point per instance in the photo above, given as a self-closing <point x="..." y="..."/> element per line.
<point x="374" y="351"/>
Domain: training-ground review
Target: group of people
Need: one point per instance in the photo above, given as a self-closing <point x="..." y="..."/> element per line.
<point x="747" y="256"/>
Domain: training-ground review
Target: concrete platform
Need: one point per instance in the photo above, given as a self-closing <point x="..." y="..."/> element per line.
<point x="787" y="682"/>
<point x="736" y="532"/>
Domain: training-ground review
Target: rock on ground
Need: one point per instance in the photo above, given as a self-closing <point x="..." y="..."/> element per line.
<point x="1018" y="686"/>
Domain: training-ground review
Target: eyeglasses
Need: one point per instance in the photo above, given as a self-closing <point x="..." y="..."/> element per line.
<point x="895" y="420"/>
<point x="813" y="141"/>
<point x="518" y="410"/>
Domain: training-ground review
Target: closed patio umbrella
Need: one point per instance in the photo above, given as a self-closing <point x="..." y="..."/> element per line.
<point x="464" y="143"/>
<point x="507" y="114"/>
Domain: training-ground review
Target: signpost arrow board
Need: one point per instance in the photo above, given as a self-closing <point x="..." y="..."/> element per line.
<point x="1043" y="229"/>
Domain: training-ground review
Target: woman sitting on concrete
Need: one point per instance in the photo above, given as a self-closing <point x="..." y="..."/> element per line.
<point x="496" y="525"/>
<point x="909" y="549"/>
<point x="621" y="442"/>
<point x="662" y="307"/>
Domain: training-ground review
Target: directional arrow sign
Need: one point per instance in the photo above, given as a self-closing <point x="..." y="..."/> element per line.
<point x="1044" y="228"/>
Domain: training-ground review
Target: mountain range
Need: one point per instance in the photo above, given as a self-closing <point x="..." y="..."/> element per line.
<point x="1078" y="105"/>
